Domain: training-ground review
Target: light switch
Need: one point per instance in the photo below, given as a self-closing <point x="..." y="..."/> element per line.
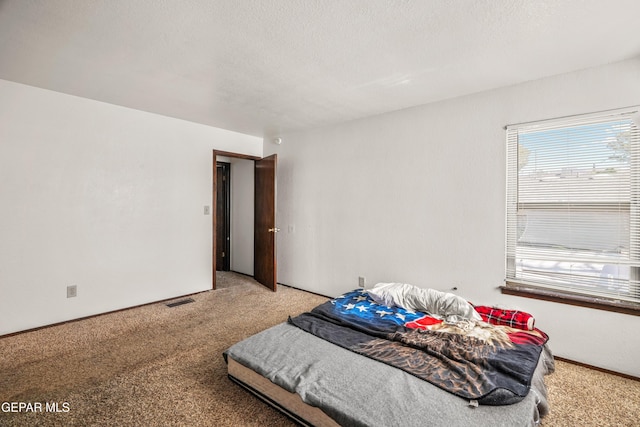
<point x="207" y="210"/>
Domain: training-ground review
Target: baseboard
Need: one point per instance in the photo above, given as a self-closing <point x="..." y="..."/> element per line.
<point x="283" y="284"/>
<point x="97" y="315"/>
<point x="595" y="368"/>
<point x="304" y="290"/>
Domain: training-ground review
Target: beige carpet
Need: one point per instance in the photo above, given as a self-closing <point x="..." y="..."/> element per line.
<point x="161" y="366"/>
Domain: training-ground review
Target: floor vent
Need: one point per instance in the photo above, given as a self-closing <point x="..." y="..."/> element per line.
<point x="181" y="302"/>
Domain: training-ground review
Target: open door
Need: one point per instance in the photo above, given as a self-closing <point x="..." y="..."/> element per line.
<point x="264" y="259"/>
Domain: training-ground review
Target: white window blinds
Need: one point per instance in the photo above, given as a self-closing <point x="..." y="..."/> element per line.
<point x="573" y="204"/>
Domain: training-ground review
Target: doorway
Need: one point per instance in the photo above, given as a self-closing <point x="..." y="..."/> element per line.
<point x="264" y="250"/>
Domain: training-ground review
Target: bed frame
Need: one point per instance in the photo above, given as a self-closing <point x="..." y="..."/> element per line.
<point x="286" y="402"/>
<point x="287" y="367"/>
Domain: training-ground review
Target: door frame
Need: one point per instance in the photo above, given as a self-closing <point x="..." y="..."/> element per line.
<point x="214" y="198"/>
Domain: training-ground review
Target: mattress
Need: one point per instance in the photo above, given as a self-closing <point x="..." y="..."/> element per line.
<point x="319" y="383"/>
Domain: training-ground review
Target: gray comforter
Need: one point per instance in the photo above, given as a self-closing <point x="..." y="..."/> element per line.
<point x="357" y="391"/>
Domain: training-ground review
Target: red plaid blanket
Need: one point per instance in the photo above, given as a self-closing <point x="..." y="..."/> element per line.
<point x="513" y="318"/>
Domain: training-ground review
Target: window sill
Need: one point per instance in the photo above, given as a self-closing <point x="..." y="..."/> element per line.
<point x="623" y="307"/>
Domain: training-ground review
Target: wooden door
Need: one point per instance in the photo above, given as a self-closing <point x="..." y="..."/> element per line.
<point x="264" y="260"/>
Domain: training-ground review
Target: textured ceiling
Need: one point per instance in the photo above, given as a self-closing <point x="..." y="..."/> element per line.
<point x="263" y="67"/>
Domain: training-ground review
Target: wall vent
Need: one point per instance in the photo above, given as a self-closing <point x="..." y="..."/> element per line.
<point x="181" y="302"/>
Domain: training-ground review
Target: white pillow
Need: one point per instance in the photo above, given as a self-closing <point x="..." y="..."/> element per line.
<point x="442" y="305"/>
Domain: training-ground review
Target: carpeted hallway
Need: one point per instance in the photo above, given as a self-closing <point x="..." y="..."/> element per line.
<point x="161" y="366"/>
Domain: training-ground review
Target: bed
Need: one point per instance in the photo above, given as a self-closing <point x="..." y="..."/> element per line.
<point x="367" y="358"/>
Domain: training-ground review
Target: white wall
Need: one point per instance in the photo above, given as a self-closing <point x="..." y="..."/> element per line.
<point x="242" y="213"/>
<point x="418" y="196"/>
<point x="103" y="197"/>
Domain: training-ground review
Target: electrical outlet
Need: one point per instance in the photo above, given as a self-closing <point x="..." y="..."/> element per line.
<point x="72" y="291"/>
<point x="362" y="281"/>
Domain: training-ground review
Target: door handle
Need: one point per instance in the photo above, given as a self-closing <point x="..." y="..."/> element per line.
<point x="274" y="230"/>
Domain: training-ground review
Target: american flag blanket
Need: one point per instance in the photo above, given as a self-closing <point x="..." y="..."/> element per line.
<point x="490" y="364"/>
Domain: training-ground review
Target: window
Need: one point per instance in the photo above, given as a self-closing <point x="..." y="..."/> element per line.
<point x="573" y="207"/>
